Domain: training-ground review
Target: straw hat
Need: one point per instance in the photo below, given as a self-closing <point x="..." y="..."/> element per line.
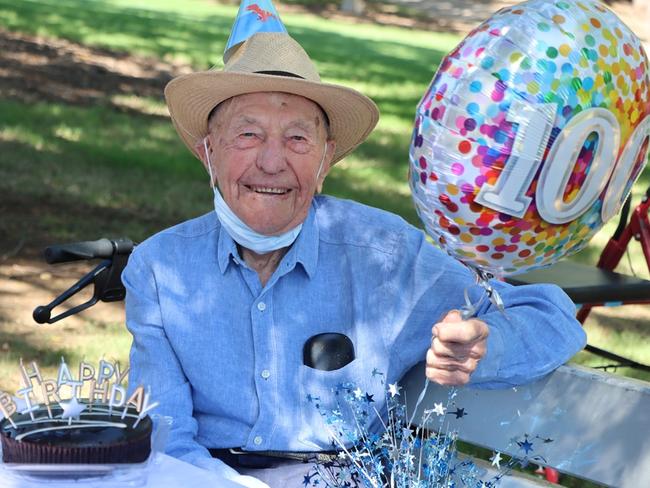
<point x="265" y="62"/>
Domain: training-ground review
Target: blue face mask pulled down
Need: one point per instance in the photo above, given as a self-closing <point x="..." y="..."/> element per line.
<point x="240" y="232"/>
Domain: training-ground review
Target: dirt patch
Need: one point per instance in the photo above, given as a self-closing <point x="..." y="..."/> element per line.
<point x="36" y="69"/>
<point x="28" y="283"/>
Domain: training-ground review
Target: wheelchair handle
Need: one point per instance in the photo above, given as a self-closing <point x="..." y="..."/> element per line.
<point x="75" y="251"/>
<point x="106" y="277"/>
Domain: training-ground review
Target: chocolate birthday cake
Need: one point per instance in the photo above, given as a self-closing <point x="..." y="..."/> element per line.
<point x="94" y="436"/>
<point x="57" y="425"/>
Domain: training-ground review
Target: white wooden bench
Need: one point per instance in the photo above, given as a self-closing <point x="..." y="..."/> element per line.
<point x="599" y="423"/>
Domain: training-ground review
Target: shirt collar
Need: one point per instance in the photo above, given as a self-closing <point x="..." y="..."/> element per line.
<point x="304" y="249"/>
<point x="226" y="249"/>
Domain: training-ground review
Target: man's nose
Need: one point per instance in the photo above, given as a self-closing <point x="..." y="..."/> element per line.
<point x="272" y="157"/>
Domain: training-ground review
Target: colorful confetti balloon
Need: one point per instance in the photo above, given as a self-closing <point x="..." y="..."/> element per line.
<point x="531" y="135"/>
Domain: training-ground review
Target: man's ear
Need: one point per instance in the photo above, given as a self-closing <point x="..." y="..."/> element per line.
<point x="327" y="164"/>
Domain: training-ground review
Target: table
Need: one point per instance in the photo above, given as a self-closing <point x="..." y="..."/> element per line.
<point x="164" y="472"/>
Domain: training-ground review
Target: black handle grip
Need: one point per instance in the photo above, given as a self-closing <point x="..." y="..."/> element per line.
<point x="75" y="251"/>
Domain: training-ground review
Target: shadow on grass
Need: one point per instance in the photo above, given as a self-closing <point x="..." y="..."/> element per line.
<point x="590" y="360"/>
<point x="54" y="70"/>
<point x="18" y="345"/>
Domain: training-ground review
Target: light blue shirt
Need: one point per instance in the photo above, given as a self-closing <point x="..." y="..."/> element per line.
<point x="224" y="355"/>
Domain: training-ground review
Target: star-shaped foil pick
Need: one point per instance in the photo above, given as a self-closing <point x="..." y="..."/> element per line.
<point x="496" y="460"/>
<point x="526" y="445"/>
<point x="71" y="408"/>
<point x="438" y="409"/>
<point x="394" y="389"/>
<point x="459" y="413"/>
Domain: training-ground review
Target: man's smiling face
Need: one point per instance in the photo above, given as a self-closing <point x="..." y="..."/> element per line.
<point x="266" y="150"/>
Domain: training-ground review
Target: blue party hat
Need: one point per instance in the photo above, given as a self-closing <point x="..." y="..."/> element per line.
<point x="253" y="16"/>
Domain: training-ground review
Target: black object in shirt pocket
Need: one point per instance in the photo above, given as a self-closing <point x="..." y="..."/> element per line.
<point x="328" y="351"/>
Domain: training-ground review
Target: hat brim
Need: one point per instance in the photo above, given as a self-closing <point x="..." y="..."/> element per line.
<point x="191" y="98"/>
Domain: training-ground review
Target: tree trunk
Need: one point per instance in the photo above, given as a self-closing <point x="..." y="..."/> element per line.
<point x="355" y="7"/>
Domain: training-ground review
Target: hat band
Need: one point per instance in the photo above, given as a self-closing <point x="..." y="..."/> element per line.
<point x="279" y="73"/>
<point x="292" y="75"/>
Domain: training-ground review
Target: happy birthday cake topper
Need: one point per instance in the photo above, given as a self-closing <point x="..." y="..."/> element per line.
<point x="102" y="384"/>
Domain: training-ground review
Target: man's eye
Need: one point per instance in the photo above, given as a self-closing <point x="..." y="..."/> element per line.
<point x="247" y="134"/>
<point x="299" y="138"/>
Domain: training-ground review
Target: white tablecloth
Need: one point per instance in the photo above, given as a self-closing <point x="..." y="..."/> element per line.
<point x="163" y="472"/>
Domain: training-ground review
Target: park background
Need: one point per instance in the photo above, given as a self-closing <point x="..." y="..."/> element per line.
<point x="87" y="149"/>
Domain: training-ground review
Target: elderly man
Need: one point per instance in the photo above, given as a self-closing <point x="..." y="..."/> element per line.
<point x="221" y="307"/>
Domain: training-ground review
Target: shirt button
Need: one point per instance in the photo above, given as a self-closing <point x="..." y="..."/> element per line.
<point x="261" y="306"/>
<point x="265" y="374"/>
<point x="257" y="440"/>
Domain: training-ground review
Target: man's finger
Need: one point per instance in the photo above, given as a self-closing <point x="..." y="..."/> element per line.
<point x="461" y="332"/>
<point x="467" y="365"/>
<point x="453" y="316"/>
<point x="454" y="350"/>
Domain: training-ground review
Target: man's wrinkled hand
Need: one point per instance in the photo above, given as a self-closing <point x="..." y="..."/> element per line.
<point x="457" y="347"/>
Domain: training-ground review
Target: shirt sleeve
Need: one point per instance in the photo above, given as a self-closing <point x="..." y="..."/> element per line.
<point x="154" y="364"/>
<point x="536" y="333"/>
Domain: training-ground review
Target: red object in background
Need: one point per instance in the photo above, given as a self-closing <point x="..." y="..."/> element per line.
<point x="552" y="475"/>
<point x="638" y="228"/>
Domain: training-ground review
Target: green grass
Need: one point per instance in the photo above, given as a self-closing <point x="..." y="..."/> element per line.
<point x="99" y="340"/>
<point x="71" y="172"/>
<point x="623" y="330"/>
<point x="95" y="168"/>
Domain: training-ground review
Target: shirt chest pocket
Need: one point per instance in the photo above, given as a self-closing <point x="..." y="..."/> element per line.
<point x="326" y="405"/>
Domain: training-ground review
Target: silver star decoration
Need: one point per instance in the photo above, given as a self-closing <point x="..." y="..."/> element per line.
<point x="358" y="393"/>
<point x="438" y="409"/>
<point x="496" y="460"/>
<point x="394" y="389"/>
<point x="72" y="408"/>
<point x="409" y="458"/>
